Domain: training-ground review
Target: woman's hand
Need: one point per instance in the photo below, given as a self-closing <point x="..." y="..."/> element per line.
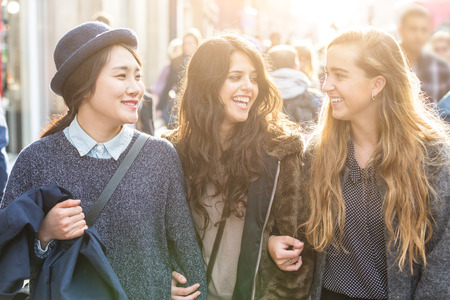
<point x="64" y="221"/>
<point x="285" y="252"/>
<point x="181" y="293"/>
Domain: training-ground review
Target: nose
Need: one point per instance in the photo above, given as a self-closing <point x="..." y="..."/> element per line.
<point x="327" y="85"/>
<point x="246" y="83"/>
<point x="135" y="88"/>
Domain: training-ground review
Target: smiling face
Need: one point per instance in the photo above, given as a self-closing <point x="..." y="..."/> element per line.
<point x="239" y="91"/>
<point x="118" y="90"/>
<point x="348" y="87"/>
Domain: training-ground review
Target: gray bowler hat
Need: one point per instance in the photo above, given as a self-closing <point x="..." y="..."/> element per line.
<point x="80" y="43"/>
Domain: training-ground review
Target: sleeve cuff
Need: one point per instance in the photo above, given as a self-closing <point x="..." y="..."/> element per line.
<point x="43" y="253"/>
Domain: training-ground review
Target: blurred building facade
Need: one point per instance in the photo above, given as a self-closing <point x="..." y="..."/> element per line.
<point x="31" y="29"/>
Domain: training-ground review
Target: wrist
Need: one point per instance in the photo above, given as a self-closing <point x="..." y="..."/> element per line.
<point x="43" y="239"/>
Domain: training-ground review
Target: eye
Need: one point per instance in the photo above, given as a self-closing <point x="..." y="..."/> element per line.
<point x="339" y="76"/>
<point x="254" y="79"/>
<point x="121" y="75"/>
<point x="139" y="76"/>
<point x="235" y="77"/>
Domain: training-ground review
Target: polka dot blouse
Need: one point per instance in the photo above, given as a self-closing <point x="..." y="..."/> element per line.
<point x="360" y="269"/>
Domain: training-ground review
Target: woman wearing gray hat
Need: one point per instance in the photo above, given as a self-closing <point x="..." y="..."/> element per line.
<point x="146" y="225"/>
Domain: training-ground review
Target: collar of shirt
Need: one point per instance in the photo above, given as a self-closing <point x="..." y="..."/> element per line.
<point x="85" y="145"/>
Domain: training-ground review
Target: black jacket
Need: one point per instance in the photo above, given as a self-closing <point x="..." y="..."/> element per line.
<point x="259" y="203"/>
<point x="77" y="269"/>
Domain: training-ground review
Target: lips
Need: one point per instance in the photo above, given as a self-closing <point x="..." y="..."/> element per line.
<point x="336" y="99"/>
<point x="131" y="103"/>
<point x="241" y="101"/>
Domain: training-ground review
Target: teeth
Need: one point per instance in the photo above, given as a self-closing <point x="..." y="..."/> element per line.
<point x="335" y="100"/>
<point x="241" y="99"/>
<point x="240" y="104"/>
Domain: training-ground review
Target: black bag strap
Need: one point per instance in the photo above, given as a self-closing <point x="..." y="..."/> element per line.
<point x="115" y="180"/>
<point x="215" y="249"/>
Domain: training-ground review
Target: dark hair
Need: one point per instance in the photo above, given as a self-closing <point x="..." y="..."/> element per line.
<point x="283" y="56"/>
<point x="80" y="85"/>
<point x="200" y="115"/>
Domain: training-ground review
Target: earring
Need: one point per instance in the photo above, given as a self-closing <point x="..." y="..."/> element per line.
<point x="373" y="97"/>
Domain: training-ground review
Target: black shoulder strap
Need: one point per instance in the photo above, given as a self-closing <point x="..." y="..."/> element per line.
<point x="115" y="180"/>
<point x="215" y="249"/>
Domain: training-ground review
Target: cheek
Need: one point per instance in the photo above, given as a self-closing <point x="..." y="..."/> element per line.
<point x="227" y="90"/>
<point x="142" y="88"/>
<point x="255" y="91"/>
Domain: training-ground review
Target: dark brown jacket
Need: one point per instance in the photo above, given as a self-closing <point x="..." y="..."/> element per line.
<point x="275" y="204"/>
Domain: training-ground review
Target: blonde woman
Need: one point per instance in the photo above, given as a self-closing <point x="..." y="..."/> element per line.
<point x="379" y="179"/>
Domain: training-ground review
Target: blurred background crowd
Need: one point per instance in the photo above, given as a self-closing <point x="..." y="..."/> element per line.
<point x="292" y="33"/>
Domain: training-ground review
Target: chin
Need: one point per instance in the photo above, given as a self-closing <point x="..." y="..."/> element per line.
<point x="339" y="117"/>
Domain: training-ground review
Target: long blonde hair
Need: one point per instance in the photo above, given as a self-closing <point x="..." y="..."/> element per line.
<point x="407" y="130"/>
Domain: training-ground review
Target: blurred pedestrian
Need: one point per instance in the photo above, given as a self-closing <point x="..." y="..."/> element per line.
<point x="379" y="165"/>
<point x="307" y="60"/>
<point x="440" y="44"/>
<point x="4" y="139"/>
<point x="300" y="101"/>
<point x="443" y="107"/>
<point x="146" y="225"/>
<point x="146" y="115"/>
<point x="275" y="39"/>
<point x="242" y="164"/>
<point x="174" y="50"/>
<point x="191" y="40"/>
<point x="102" y="16"/>
<point x="433" y="72"/>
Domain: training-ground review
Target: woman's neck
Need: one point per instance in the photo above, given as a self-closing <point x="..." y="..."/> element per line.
<point x="98" y="131"/>
<point x="365" y="138"/>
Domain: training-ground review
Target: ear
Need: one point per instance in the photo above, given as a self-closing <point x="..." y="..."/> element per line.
<point x="378" y="84"/>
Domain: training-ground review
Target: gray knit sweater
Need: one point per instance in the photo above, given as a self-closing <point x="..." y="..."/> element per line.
<point x="146" y="225"/>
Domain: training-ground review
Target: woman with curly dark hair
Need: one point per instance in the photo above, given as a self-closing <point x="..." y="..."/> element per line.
<point x="242" y="164"/>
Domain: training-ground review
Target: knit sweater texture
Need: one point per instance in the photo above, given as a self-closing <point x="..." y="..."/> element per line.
<point x="146" y="225"/>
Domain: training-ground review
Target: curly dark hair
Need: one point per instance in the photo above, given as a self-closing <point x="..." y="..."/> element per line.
<point x="200" y="115"/>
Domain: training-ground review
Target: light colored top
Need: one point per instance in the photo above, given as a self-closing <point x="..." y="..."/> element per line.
<point x="86" y="145"/>
<point x="225" y="268"/>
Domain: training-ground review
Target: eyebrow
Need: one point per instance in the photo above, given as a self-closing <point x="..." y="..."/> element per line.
<point x="125" y="68"/>
<point x="337" y="69"/>
<point x="240" y="72"/>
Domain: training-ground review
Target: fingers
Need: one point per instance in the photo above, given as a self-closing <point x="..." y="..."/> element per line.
<point x="78" y="232"/>
<point x="293" y="266"/>
<point x="193" y="296"/>
<point x="290" y="241"/>
<point x="280" y="256"/>
<point x="63" y="222"/>
<point x="178" y="278"/>
<point x="185" y="291"/>
<point x="68" y="203"/>
<point x="76" y="229"/>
